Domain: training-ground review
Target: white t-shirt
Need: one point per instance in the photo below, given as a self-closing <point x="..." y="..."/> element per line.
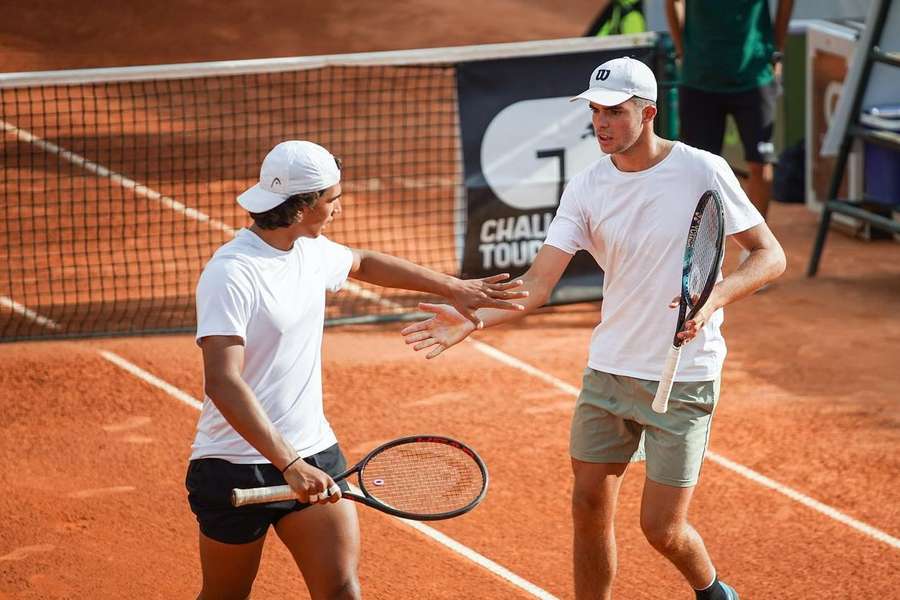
<point x="635" y="226"/>
<point x="275" y="301"/>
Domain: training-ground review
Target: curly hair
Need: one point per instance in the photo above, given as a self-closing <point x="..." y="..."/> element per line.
<point x="286" y="213"/>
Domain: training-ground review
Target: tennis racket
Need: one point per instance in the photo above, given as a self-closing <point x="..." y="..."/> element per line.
<point x="424" y="478"/>
<point x="700" y="268"/>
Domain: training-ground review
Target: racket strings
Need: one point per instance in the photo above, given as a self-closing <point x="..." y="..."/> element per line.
<point x="704" y="253"/>
<point x="425" y="478"/>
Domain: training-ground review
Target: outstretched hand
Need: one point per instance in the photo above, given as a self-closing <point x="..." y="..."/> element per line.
<point x="445" y="329"/>
<point x="468" y="295"/>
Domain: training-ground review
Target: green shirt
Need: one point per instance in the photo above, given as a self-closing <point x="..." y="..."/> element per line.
<point x="728" y="45"/>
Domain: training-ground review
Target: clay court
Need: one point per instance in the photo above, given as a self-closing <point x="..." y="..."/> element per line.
<point x="798" y="498"/>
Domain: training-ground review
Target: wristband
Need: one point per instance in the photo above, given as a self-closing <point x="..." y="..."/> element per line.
<point x="288" y="466"/>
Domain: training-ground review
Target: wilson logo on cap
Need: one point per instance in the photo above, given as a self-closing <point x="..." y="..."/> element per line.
<point x="602" y="74"/>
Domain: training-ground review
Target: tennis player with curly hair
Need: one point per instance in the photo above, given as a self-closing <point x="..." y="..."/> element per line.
<point x="260" y="318"/>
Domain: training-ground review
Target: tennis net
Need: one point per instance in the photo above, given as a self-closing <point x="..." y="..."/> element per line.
<point x="119" y="184"/>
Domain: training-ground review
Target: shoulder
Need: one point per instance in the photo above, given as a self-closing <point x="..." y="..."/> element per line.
<point x="700" y="163"/>
<point x="228" y="264"/>
<point x="700" y="158"/>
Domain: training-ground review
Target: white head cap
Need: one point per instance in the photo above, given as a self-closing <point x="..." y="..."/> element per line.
<point x="617" y="80"/>
<point x="292" y="167"/>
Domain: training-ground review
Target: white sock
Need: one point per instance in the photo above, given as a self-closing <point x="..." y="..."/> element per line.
<point x="709" y="585"/>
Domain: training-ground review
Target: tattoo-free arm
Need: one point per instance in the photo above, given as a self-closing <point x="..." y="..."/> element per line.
<point x="466" y="295"/>
<point x="223" y="358"/>
<point x="538" y="281"/>
<point x="782" y="20"/>
<point x="765" y="262"/>
<point x="675" y="18"/>
<point x="448" y="327"/>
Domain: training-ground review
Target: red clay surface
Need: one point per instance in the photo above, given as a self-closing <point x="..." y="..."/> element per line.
<point x="93" y="458"/>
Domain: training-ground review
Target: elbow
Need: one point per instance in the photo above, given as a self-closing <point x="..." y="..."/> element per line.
<point x="779" y="263"/>
<point x="211" y="389"/>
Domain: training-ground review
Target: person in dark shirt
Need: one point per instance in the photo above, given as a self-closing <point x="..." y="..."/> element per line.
<point x="731" y="64"/>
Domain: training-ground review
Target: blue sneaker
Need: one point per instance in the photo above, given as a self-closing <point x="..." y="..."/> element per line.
<point x="729" y="591"/>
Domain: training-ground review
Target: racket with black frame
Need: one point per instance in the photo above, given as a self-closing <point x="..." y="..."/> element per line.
<point x="700" y="269"/>
<point x="424" y="478"/>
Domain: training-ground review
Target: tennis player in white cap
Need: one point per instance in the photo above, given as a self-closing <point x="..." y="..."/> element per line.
<point x="631" y="210"/>
<point x="260" y="315"/>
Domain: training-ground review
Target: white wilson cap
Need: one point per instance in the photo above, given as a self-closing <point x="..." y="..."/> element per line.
<point x="292" y="167"/>
<point x="617" y="80"/>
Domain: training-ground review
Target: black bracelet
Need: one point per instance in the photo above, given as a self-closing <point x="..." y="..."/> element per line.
<point x="288" y="466"/>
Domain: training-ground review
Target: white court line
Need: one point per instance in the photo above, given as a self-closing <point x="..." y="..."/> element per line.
<point x="481" y="560"/>
<point x="151" y="379"/>
<point x="523" y="366"/>
<point x="806" y="500"/>
<point x="125" y="182"/>
<point x="431" y="532"/>
<point x="28" y="313"/>
<point x="741" y="470"/>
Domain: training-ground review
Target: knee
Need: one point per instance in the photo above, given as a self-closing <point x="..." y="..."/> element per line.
<point x="663" y="536"/>
<point x="587" y="501"/>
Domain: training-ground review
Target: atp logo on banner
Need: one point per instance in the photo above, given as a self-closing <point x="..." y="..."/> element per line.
<point x="532" y="148"/>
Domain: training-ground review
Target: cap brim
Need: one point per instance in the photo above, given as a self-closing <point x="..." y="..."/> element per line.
<point x="257" y="200"/>
<point x="602" y="97"/>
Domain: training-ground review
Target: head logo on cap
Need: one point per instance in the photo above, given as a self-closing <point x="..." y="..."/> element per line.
<point x="292" y="167"/>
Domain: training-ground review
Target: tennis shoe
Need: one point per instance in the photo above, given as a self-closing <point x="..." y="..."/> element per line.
<point x="729" y="591"/>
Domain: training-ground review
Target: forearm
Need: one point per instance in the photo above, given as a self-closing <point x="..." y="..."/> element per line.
<point x="759" y="268"/>
<point x="782" y="20"/>
<point x="675" y="18"/>
<point x="390" y="271"/>
<point x="538" y="295"/>
<point x="237" y="403"/>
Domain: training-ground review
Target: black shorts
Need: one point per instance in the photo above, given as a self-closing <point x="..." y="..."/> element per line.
<point x="703" y="113"/>
<point x="209" y="483"/>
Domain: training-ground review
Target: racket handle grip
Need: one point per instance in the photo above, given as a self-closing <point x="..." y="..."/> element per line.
<point x="661" y="400"/>
<point x="261" y="495"/>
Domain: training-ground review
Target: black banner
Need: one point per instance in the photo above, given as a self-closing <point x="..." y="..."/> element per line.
<point x="522" y="141"/>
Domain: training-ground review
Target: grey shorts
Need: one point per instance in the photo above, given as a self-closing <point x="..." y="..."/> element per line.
<point x="613" y="423"/>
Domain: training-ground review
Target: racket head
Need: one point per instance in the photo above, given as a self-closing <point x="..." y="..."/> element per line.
<point x="702" y="257"/>
<point x="423" y="477"/>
